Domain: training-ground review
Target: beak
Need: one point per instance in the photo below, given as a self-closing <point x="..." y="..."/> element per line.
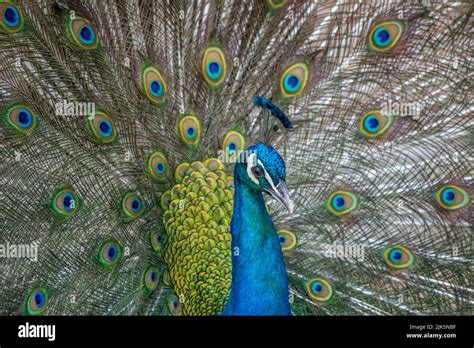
<point x="281" y="195"/>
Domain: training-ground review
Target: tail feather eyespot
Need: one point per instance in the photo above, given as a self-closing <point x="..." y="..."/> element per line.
<point x="65" y="202"/>
<point x="36" y="301"/>
<point x="21" y="118"/>
<point x="132" y="205"/>
<point x="151" y="278"/>
<point x="452" y="197"/>
<point x="214" y="66"/>
<point x="342" y="202"/>
<point x="233" y="142"/>
<point x="154" y="85"/>
<point x="319" y="289"/>
<point x="82" y="33"/>
<point x="12" y="19"/>
<point x="103" y="127"/>
<point x="110" y="253"/>
<point x="294" y="79"/>
<point x="158" y="166"/>
<point x="190" y="129"/>
<point x="287" y="240"/>
<point x="384" y="36"/>
<point x="174" y="305"/>
<point x="398" y="257"/>
<point x="374" y="124"/>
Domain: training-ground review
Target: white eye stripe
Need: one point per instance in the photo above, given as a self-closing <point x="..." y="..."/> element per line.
<point x="268" y="177"/>
<point x="250" y="162"/>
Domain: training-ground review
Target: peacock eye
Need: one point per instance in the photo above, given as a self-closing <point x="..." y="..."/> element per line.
<point x="151" y="278"/>
<point x="277" y="4"/>
<point x="294" y="79"/>
<point x="11" y="17"/>
<point x="109" y="253"/>
<point x="157" y="239"/>
<point x="174" y="305"/>
<point x="158" y="166"/>
<point x="190" y="129"/>
<point x="154" y="85"/>
<point x="21" y="118"/>
<point x="132" y="205"/>
<point x="319" y="289"/>
<point x="384" y="36"/>
<point x="398" y="257"/>
<point x="257" y="171"/>
<point x="342" y="202"/>
<point x="374" y="124"/>
<point x="233" y="142"/>
<point x="452" y="197"/>
<point x="36" y="301"/>
<point x="214" y="66"/>
<point x="287" y="240"/>
<point x="65" y="202"/>
<point x="82" y="33"/>
<point x="103" y="128"/>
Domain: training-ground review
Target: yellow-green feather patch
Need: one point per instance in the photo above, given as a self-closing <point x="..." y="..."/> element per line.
<point x="198" y="239"/>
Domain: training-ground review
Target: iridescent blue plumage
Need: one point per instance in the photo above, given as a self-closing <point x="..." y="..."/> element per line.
<point x="258" y="266"/>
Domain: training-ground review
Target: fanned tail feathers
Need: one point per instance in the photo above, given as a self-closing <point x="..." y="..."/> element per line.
<point x="380" y="135"/>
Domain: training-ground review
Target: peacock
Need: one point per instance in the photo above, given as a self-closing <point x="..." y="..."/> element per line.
<point x="236" y="157"/>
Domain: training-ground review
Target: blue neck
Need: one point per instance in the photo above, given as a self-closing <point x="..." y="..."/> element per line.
<point x="259" y="279"/>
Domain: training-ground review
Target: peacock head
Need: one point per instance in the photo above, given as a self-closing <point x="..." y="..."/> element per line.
<point x="261" y="168"/>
